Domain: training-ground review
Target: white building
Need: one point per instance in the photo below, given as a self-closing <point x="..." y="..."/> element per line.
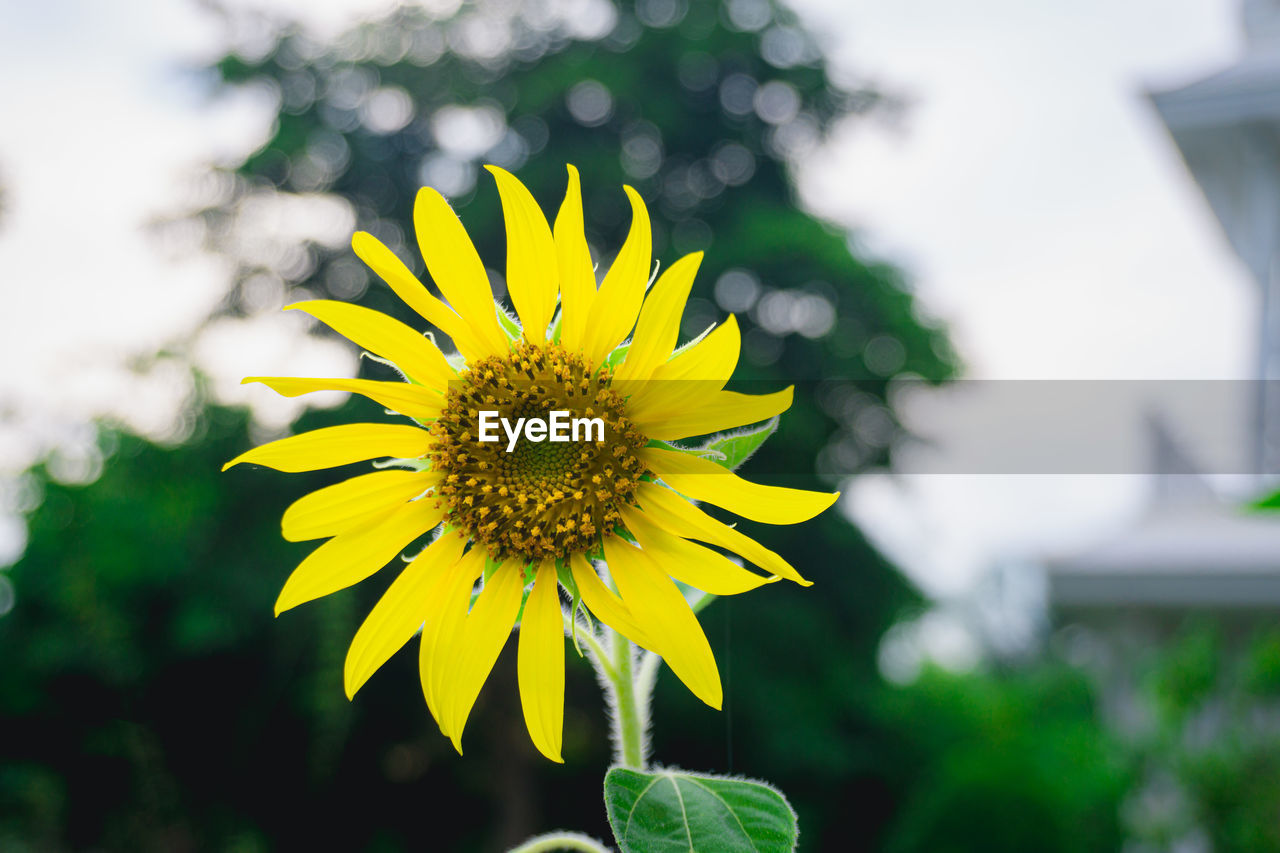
<point x="1194" y="551"/>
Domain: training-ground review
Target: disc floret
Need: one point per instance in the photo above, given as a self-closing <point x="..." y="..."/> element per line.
<point x="541" y="500"/>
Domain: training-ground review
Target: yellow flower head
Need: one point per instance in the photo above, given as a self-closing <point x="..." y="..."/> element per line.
<point x="516" y="514"/>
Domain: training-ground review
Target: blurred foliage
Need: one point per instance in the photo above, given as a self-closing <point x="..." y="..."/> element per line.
<point x="1209" y="751"/>
<point x="703" y="110"/>
<point x="151" y="703"/>
<point x="1014" y="761"/>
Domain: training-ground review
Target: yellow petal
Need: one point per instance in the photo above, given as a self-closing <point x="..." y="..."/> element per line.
<point x="677" y="515"/>
<point x="412" y="292"/>
<point x="338" y="445"/>
<point x="704" y="480"/>
<point x="687" y="562"/>
<point x="338" y="508"/>
<point x="442" y="623"/>
<point x="721" y="411"/>
<point x="351" y="557"/>
<point x="415" y="354"/>
<point x="689" y="379"/>
<point x="659" y="323"/>
<point x="456" y="268"/>
<point x="614" y="310"/>
<point x="577" y="275"/>
<point x="711" y="359"/>
<point x="413" y="401"/>
<point x="605" y="604"/>
<point x="656" y="603"/>
<point x="541" y="663"/>
<point x="484" y="634"/>
<point x="532" y="269"/>
<point x="399" y="613"/>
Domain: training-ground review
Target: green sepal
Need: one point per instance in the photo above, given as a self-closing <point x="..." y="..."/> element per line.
<point x="529" y="574"/>
<point x="735" y="448"/>
<point x="729" y="449"/>
<point x="713" y="455"/>
<point x="666" y="809"/>
<point x="622" y="533"/>
<point x="694" y="340"/>
<point x="508" y="323"/>
<point x="615" y="358"/>
<point x="425" y="424"/>
<point x="566" y="580"/>
<point x="490" y="566"/>
<point x="386" y="362"/>
<point x="404" y="378"/>
<point x="437" y="532"/>
<point x="555" y="326"/>
<point x="411" y="464"/>
<point x="519" y="613"/>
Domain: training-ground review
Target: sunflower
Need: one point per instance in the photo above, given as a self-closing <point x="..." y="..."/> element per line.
<point x="520" y="517"/>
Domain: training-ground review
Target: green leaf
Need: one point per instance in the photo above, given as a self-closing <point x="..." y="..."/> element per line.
<point x="737" y="447"/>
<point x="664" y="811"/>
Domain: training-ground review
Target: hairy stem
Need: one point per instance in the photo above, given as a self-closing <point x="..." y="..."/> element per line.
<point x="630" y="706"/>
<point x="585" y="636"/>
<point x="561" y="841"/>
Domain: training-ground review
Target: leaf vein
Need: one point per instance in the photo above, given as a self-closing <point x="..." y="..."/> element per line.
<point x="684" y="814"/>
<point x="729" y="809"/>
<point x="626" y="828"/>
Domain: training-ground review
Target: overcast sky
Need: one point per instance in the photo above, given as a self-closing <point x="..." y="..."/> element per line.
<point x="1028" y="190"/>
<point x="1044" y="213"/>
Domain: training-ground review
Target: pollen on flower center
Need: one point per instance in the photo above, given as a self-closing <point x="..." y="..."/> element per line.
<point x="542" y="499"/>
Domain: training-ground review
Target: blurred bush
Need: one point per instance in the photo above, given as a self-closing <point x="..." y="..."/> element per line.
<point x="1207" y="749"/>
<point x="1005" y="761"/>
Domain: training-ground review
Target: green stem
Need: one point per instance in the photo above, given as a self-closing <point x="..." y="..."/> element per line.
<point x="561" y="841"/>
<point x="631" y="718"/>
<point x="586" y="636"/>
<point x="627" y="689"/>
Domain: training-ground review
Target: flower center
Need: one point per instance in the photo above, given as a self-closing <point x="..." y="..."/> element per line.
<point x="521" y="496"/>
